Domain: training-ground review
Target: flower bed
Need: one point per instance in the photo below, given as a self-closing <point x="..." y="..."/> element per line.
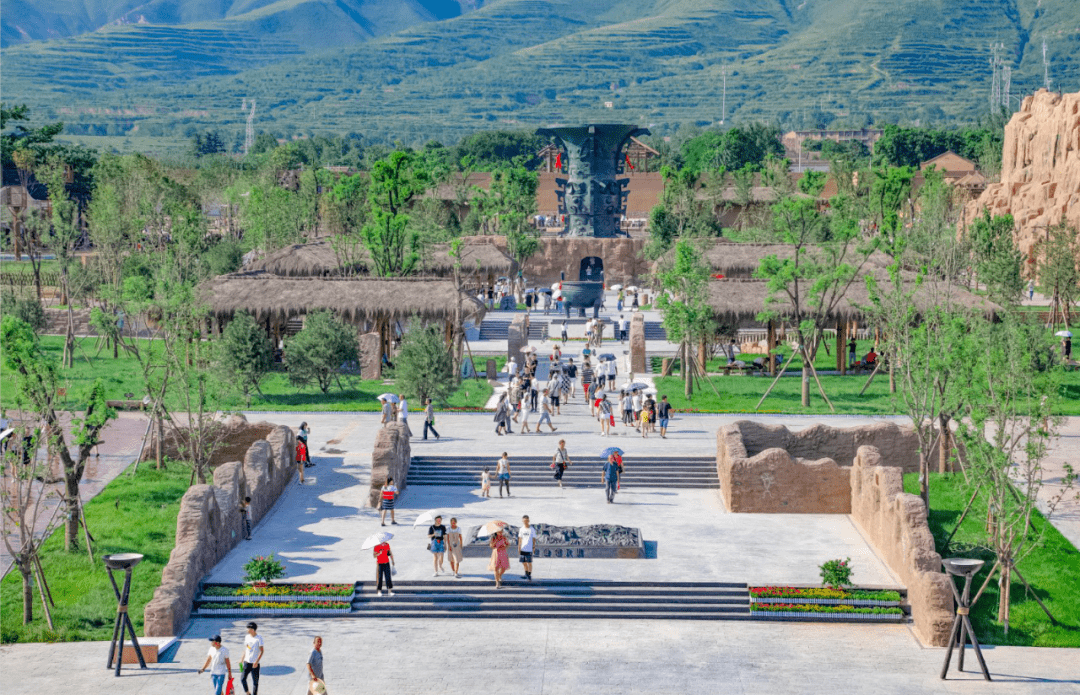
<point x="804" y="610"/>
<point x="273" y="607"/>
<point x="821" y="596"/>
<point x="299" y="592"/>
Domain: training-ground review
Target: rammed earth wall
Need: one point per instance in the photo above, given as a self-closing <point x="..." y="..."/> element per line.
<point x="770" y="469"/>
<point x="208" y="525"/>
<point x="390" y="458"/>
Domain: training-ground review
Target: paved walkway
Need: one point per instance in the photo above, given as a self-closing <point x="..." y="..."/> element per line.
<point x="551" y="657"/>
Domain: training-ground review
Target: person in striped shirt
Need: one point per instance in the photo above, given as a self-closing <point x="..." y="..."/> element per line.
<point x="586" y="378"/>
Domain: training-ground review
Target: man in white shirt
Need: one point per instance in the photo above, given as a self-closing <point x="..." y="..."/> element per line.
<point x="403" y="412"/>
<point x="217" y="659"/>
<point x="511" y="369"/>
<point x="253" y="653"/>
<point x="526" y="535"/>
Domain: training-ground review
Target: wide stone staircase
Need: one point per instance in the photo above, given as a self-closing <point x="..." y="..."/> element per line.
<point x="681" y="472"/>
<point x="499" y="329"/>
<point x="461" y="598"/>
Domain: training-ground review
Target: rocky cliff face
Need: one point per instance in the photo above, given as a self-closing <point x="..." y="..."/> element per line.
<point x="1040" y="168"/>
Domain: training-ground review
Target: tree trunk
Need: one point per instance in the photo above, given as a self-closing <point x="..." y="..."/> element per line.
<point x="924" y="479"/>
<point x="26" y="570"/>
<point x="688" y="370"/>
<point x="1004" y="583"/>
<point x="71" y="524"/>
<point x="69" y="338"/>
<point x="805" y="379"/>
<point x="158" y="458"/>
<point x="944" y="445"/>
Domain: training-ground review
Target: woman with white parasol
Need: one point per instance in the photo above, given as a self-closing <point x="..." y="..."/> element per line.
<point x="500" y="560"/>
<point x="379" y="545"/>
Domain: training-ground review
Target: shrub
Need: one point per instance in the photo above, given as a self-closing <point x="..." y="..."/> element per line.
<point x="424" y="367"/>
<point x="836" y="574"/>
<point x="263" y="568"/>
<point x="318" y="352"/>
<point x="246" y="355"/>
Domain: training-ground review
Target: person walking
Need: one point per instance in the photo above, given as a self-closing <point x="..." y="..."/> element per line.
<point x="502" y="416"/>
<point x="545" y="416"/>
<point x="587" y="376"/>
<point x="253" y="654"/>
<point x="387" y="412"/>
<point x="302" y="436"/>
<point x="455" y="546"/>
<point x="560" y="461"/>
<point x="619" y="300"/>
<point x="607" y="419"/>
<point x="301" y="455"/>
<point x="637" y="400"/>
<point x="852" y="349"/>
<point x="245" y="517"/>
<point x="564" y="337"/>
<point x="429" y="419"/>
<point x="534" y="390"/>
<point x="588" y="331"/>
<point x="500" y="561"/>
<point x="572" y="372"/>
<point x="384" y="559"/>
<point x="634" y="303"/>
<point x="485" y="482"/>
<point x="1066" y="348"/>
<point x="502" y="472"/>
<point x="217" y="660"/>
<point x="525" y="412"/>
<point x="315" y="666"/>
<point x="389" y="494"/>
<point x="664" y="411"/>
<point x="554" y="389"/>
<point x="610" y="478"/>
<point x="612" y="372"/>
<point x="403" y="413"/>
<point x="526" y="540"/>
<point x="645" y="420"/>
<point x="627" y="405"/>
<point x="729" y="350"/>
<point x="437" y="533"/>
<point x="511" y="368"/>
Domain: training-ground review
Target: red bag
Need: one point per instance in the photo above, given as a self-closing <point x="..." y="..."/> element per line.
<point x="301" y="452"/>
<point x="612" y="419"/>
<point x="229" y="690"/>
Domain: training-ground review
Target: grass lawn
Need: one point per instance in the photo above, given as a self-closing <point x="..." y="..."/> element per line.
<point x="1053" y="569"/>
<point x="740" y="394"/>
<point x="123" y="375"/>
<point x="144" y="522"/>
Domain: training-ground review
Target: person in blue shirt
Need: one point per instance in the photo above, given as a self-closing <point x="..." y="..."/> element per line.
<point x="610" y="478"/>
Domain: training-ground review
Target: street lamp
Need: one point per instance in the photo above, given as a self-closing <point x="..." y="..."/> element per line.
<point x="966" y="568"/>
<point x="125" y="562"/>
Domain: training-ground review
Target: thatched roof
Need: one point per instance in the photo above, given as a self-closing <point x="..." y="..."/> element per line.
<point x="738" y="301"/>
<point x="733" y="259"/>
<point x="356" y="299"/>
<point x="318" y="259"/>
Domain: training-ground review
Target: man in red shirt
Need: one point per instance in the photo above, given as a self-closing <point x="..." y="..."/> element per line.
<point x="384" y="558"/>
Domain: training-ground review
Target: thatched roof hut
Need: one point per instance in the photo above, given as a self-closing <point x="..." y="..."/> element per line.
<point x="740" y="260"/>
<point x="319" y="259"/>
<point x="356" y="299"/>
<point x="738" y="301"/>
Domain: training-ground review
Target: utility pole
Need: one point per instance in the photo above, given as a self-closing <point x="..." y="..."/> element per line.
<point x="1046" y="67"/>
<point x="249" y="134"/>
<point x="723" y="107"/>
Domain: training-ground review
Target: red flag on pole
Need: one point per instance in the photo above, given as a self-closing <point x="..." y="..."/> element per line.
<point x="558" y="161"/>
<point x="629" y="163"/>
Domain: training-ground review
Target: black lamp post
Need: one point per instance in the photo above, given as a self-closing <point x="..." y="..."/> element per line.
<point x="966" y="568"/>
<point x="122" y="561"/>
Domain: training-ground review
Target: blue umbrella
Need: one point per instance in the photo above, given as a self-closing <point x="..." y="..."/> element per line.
<point x="606" y="356"/>
<point x="611" y="450"/>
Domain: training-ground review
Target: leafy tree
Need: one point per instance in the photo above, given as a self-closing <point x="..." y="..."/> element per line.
<point x="394" y="183"/>
<point x="910" y="147"/>
<point x="889" y="191"/>
<point x="246" y="355"/>
<point x="210" y="143"/>
<point x="318" y="353"/>
<point x="680" y="212"/>
<point x="37" y="380"/>
<point x="27" y="310"/>
<point x="424" y="367"/>
<point x="493" y="149"/>
<point x="998" y="262"/>
<point x="812" y="281"/>
<point x="684" y="303"/>
<point x="63" y="237"/>
<point x="21" y="137"/>
<point x="733" y="148"/>
<point x="1006" y="437"/>
<point x="812" y="183"/>
<point x="507" y="207"/>
<point x="1057" y="256"/>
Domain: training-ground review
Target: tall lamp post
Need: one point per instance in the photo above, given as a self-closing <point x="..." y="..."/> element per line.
<point x="966" y="568"/>
<point x="125" y="562"/>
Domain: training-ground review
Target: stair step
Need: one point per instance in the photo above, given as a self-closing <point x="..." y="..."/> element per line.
<point x="379" y="603"/>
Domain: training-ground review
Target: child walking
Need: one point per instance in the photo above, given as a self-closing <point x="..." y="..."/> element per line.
<point x="485" y="482"/>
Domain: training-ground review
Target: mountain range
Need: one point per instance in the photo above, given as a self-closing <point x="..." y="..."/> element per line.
<point x="411" y="70"/>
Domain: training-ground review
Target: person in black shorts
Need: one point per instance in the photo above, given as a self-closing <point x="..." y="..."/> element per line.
<point x="663" y="414"/>
<point x="571" y="371"/>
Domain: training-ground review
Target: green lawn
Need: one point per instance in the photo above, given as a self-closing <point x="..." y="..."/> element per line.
<point x="132" y="514"/>
<point x="123" y="376"/>
<point x="740" y="394"/>
<point x="1053" y="569"/>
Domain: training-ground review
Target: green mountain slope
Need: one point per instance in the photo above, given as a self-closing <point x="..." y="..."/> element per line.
<point x="311" y="23"/>
<point x="533" y="62"/>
